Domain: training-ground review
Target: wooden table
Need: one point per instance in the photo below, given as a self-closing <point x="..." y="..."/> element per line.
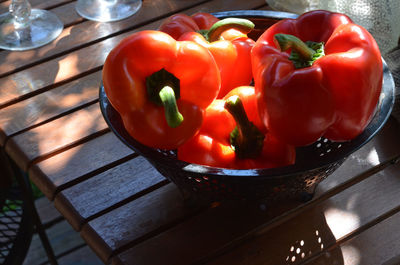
<point x="52" y="127"/>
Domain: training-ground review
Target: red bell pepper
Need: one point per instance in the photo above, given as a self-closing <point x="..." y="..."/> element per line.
<point x="228" y="139"/>
<point x="211" y="145"/>
<point x="204" y="20"/>
<point x="178" y="24"/>
<point x="231" y="50"/>
<point x="328" y="86"/>
<point x="160" y="87"/>
<point x="248" y="98"/>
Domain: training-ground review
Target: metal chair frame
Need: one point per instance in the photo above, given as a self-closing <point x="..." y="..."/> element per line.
<point x="29" y="218"/>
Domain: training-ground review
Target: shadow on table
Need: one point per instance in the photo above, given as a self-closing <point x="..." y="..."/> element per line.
<point x="321" y="234"/>
<point x="298" y="240"/>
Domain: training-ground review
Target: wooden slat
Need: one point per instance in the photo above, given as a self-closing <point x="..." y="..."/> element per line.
<point x="81" y="256"/>
<point x="292" y="242"/>
<point x="321" y="226"/>
<point x="277" y="241"/>
<point x="276" y="247"/>
<point x="130" y="215"/>
<point x="384" y="145"/>
<point x="47" y="105"/>
<point x="77" y="163"/>
<point x="47" y="212"/>
<point x="52" y="103"/>
<point x="69" y="8"/>
<point x="88" y="32"/>
<point x="39" y="4"/>
<point x="186" y="242"/>
<point x="30" y="81"/>
<point x="344" y="212"/>
<point x="56" y="135"/>
<point x="11" y="60"/>
<point x="134" y="221"/>
<point x="377" y="245"/>
<point x="72" y="250"/>
<point x="62" y="238"/>
<point x="61" y="69"/>
<point x="106" y="190"/>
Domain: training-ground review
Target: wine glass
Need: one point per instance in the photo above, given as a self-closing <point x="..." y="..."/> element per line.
<point x="107" y="10"/>
<point x="23" y="28"/>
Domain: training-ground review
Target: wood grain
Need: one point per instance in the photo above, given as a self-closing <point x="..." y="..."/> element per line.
<point x="383" y="146"/>
<point x="191" y="239"/>
<point x="46" y="210"/>
<point x="322" y="226"/>
<point x="89" y="32"/>
<point x="376" y="245"/>
<point x="68" y="8"/>
<point x="106" y="190"/>
<point x="51" y="125"/>
<point x="334" y="217"/>
<point x="154" y="211"/>
<point x="45" y="106"/>
<point x="73" y="252"/>
<point x="23" y="59"/>
<point x="78" y="163"/>
<point x="61" y="236"/>
<point x="82" y="256"/>
<point x="62" y="69"/>
<point x="39" y="4"/>
<point x="30" y="81"/>
<point x="56" y="135"/>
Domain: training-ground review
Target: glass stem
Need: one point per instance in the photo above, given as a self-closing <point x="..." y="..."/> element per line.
<point x="20" y="10"/>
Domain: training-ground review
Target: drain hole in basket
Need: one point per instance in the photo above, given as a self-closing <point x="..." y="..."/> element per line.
<point x="207" y="184"/>
<point x="324" y="146"/>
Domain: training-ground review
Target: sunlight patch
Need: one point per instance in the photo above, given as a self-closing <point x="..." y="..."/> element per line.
<point x="341" y="222"/>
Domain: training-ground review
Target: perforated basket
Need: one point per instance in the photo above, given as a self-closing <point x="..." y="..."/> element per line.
<point x="313" y="163"/>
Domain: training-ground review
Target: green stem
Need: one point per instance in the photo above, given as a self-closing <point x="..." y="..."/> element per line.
<point x="246" y="138"/>
<point x="241" y="24"/>
<point x="172" y="115"/>
<point x="286" y="41"/>
<point x="302" y="54"/>
<point x="163" y="89"/>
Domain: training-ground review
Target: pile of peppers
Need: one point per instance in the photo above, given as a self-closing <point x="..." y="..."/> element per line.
<point x="201" y="86"/>
<point x="225" y="39"/>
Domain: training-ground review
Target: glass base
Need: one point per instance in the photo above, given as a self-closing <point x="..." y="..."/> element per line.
<point x="43" y="28"/>
<point x="107" y="10"/>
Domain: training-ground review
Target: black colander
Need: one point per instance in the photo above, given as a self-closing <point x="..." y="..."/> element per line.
<point x="313" y="163"/>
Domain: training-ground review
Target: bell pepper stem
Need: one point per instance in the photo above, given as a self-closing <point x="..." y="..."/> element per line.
<point x="241" y="24"/>
<point x="246" y="138"/>
<point x="286" y="41"/>
<point x="303" y="54"/>
<point x="163" y="89"/>
<point x="172" y="115"/>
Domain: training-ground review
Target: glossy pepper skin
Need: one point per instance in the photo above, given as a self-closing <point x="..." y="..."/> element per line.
<point x="335" y="97"/>
<point x="134" y="61"/>
<point x="229" y="44"/>
<point x="178" y="24"/>
<point x="231" y="50"/>
<point x="212" y="145"/>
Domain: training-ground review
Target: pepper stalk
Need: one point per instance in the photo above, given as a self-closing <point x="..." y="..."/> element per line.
<point x="246" y="139"/>
<point x="163" y="89"/>
<point x="240" y="24"/>
<point x="303" y="54"/>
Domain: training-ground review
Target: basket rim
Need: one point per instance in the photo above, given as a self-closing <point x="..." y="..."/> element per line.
<point x="302" y="165"/>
